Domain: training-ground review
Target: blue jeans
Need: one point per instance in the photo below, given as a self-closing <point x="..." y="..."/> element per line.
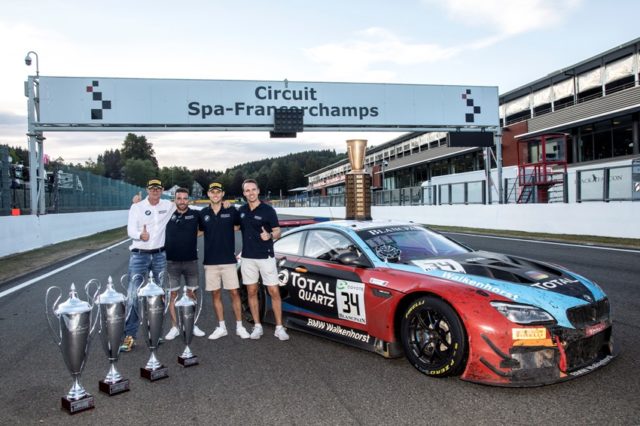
<point x="139" y="265"/>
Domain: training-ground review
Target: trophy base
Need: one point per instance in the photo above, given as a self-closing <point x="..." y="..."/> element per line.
<point x="71" y="406"/>
<point x="188" y="362"/>
<point x="114" y="388"/>
<point x="153" y="375"/>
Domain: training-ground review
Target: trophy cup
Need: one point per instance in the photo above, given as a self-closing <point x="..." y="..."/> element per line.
<point x="186" y="310"/>
<point x="75" y="324"/>
<point x="112" y="308"/>
<point x="151" y="308"/>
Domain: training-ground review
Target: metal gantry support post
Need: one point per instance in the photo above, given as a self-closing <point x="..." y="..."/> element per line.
<point x="37" y="173"/>
<point x="498" y="143"/>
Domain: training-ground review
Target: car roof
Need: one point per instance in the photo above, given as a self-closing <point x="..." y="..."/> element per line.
<point x="359" y="225"/>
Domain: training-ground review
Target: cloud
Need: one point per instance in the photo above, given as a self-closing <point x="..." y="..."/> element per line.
<point x="373" y="46"/>
<point x="508" y="17"/>
<point x="363" y="56"/>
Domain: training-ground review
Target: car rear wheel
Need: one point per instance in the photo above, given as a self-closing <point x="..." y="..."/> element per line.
<point x="433" y="337"/>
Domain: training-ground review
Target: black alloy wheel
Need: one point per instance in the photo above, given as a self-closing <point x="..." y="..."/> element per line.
<point x="433" y="337"/>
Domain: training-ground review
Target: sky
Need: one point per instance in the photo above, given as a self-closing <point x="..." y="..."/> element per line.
<point x="503" y="43"/>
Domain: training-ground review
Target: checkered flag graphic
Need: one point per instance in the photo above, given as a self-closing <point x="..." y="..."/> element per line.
<point x="470" y="117"/>
<point x="103" y="104"/>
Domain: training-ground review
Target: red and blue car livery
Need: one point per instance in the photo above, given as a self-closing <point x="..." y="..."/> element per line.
<point x="398" y="288"/>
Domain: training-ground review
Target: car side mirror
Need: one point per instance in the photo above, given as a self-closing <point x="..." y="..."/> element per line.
<point x="352" y="259"/>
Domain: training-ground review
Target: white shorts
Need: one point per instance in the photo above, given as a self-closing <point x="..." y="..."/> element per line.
<point x="227" y="274"/>
<point x="253" y="269"/>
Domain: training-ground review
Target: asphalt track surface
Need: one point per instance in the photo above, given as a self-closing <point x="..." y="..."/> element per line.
<point x="308" y="380"/>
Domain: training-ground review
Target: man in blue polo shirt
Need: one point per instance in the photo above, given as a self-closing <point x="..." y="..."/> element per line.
<point x="260" y="227"/>
<point x="218" y="224"/>
<point x="181" y="244"/>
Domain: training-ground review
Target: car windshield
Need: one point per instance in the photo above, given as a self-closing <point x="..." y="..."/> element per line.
<point x="407" y="243"/>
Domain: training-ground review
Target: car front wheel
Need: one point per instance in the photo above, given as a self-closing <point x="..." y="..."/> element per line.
<point x="433" y="337"/>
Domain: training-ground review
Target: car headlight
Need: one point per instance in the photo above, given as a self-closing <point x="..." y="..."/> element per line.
<point x="523" y="314"/>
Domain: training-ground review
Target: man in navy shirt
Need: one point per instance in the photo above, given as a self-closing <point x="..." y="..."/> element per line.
<point x="260" y="227"/>
<point x="181" y="244"/>
<point x="218" y="224"/>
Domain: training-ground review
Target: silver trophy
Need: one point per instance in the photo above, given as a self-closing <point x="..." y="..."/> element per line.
<point x="112" y="307"/>
<point x="75" y="323"/>
<point x="186" y="316"/>
<point x="152" y="308"/>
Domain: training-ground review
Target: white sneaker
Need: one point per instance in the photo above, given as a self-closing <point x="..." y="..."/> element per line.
<point x="256" y="333"/>
<point x="197" y="332"/>
<point x="172" y="334"/>
<point x="281" y="333"/>
<point x="218" y="333"/>
<point x="242" y="332"/>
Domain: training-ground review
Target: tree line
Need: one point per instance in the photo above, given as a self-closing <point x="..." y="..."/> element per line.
<point x="135" y="162"/>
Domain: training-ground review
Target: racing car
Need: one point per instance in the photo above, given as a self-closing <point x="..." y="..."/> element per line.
<point x="398" y="288"/>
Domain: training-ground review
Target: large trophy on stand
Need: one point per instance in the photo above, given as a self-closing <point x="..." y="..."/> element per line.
<point x="75" y="323"/>
<point x="112" y="310"/>
<point x="357" y="183"/>
<point x="186" y="313"/>
<point x="152" y="308"/>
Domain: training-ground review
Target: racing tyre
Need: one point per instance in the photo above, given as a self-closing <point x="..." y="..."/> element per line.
<point x="433" y="337"/>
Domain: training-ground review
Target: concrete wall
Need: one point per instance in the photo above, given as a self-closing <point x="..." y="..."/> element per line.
<point x="22" y="233"/>
<point x="614" y="219"/>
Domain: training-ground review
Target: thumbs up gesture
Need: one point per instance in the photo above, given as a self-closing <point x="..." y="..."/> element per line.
<point x="137" y="198"/>
<point x="264" y="235"/>
<point x="144" y="236"/>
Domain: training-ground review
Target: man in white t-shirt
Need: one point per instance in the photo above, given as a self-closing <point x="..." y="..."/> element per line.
<point x="146" y="226"/>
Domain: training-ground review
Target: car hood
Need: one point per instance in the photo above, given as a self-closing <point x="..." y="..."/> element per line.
<point x="522" y="280"/>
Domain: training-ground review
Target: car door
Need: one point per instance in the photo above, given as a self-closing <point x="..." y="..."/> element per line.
<point x="319" y="286"/>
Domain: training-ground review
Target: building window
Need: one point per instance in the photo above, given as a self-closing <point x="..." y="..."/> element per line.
<point x="622" y="136"/>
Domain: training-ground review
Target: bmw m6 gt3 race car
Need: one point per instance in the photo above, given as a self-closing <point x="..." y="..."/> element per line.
<point x="398" y="288"/>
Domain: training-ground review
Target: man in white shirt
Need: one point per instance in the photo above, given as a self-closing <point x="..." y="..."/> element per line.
<point x="146" y="226"/>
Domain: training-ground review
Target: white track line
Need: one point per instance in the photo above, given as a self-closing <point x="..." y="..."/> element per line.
<point x="48" y="274"/>
<point x="545" y="242"/>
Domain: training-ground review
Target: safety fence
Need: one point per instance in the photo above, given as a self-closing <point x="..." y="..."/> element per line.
<point x="66" y="190"/>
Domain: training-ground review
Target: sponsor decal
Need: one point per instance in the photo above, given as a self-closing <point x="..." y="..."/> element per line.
<point x="414" y="306"/>
<point x="537" y="333"/>
<point x="389" y="230"/>
<point x="551" y="284"/>
<point x="257" y="217"/>
<point x="536" y="275"/>
<point x="338" y="330"/>
<point x="350" y="301"/>
<point x="225" y="215"/>
<point x="162" y="211"/>
<point x="441" y="264"/>
<point x="147" y="212"/>
<point x="376" y="281"/>
<point x="188" y="217"/>
<point x="174" y="217"/>
<point x="207" y="218"/>
<point x="463" y="279"/>
<point x="595" y="329"/>
<point x="604" y="361"/>
<point x="309" y="289"/>
<point x="241" y="215"/>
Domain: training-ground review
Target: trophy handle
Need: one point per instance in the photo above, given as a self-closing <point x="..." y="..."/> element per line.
<point x="56" y="334"/>
<point x="199" y="298"/>
<point x="91" y="298"/>
<point x="124" y="283"/>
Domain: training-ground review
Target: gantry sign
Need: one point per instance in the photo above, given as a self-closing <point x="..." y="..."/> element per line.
<point x="99" y="104"/>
